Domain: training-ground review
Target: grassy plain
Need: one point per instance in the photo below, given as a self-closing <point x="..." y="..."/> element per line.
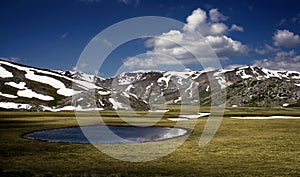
<point x="239" y="148"/>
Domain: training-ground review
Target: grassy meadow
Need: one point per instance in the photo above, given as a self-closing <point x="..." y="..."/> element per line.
<point x="239" y="148"/>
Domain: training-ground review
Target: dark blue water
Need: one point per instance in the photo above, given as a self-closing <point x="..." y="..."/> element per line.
<point x="107" y="134"/>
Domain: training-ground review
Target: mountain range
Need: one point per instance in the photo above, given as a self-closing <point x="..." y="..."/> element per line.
<point x="34" y="89"/>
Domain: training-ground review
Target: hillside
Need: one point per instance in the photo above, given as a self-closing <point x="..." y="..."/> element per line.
<point x="29" y="88"/>
<point x="244" y="86"/>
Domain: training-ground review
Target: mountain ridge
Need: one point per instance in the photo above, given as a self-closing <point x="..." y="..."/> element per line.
<point x="30" y="88"/>
<point x="24" y="87"/>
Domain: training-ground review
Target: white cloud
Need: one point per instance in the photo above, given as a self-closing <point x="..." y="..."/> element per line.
<point x="234" y="66"/>
<point x="224" y="46"/>
<point x="151" y="61"/>
<point x="235" y="27"/>
<point x="216" y="16"/>
<point x="285" y="38"/>
<point x="194" y="21"/>
<point x="266" y="50"/>
<point x="281" y="61"/>
<point x="200" y="36"/>
<point x="218" y="28"/>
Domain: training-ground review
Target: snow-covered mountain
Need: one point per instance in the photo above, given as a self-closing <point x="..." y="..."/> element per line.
<point x="245" y="86"/>
<point x="29" y="88"/>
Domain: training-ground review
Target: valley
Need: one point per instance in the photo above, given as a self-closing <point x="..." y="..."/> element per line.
<point x="240" y="147"/>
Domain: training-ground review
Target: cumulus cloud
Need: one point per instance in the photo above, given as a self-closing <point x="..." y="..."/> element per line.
<point x="194" y="21"/>
<point x="216" y="16"/>
<point x="218" y="28"/>
<point x="201" y="37"/>
<point x="281" y="61"/>
<point x="224" y="46"/>
<point x="285" y="38"/>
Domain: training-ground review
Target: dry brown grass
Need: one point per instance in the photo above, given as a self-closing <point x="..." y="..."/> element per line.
<point x="240" y="148"/>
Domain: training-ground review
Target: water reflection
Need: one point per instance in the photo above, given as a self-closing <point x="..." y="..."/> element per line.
<point x="125" y="134"/>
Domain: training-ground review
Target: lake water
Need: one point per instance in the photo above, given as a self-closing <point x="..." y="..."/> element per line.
<point x="107" y="134"/>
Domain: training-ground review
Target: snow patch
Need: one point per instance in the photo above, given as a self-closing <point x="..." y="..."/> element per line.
<point x="266" y="117"/>
<point x="243" y="74"/>
<point x="285" y="104"/>
<point x="20" y="85"/>
<point x="62" y="90"/>
<point x="222" y="82"/>
<point x="271" y="73"/>
<point x="129" y="87"/>
<point x="86" y="77"/>
<point x="8" y="95"/>
<point x="103" y="92"/>
<point x="203" y="114"/>
<point x="11" y="105"/>
<point x="165" y="79"/>
<point x="85" y="84"/>
<point x="192" y="116"/>
<point x="159" y="110"/>
<point x="28" y="93"/>
<point x="123" y="82"/>
<point x="190" y="89"/>
<point x="189" y="117"/>
<point x="116" y="104"/>
<point x="70" y="108"/>
<point x="4" y="73"/>
<point x="125" y="94"/>
<point x="207" y="88"/>
<point x="177" y="100"/>
<point x="101" y="103"/>
<point x="177" y="119"/>
<point x="148" y="87"/>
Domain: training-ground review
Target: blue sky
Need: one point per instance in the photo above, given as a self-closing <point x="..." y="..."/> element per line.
<point x="53" y="33"/>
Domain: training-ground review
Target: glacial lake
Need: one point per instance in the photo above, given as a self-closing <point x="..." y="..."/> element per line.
<point x="107" y="134"/>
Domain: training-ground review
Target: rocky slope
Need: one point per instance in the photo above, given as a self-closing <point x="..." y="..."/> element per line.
<point x="29" y="88"/>
<point x="244" y="86"/>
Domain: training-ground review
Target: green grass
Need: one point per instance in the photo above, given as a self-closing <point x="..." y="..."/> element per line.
<point x="240" y="147"/>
